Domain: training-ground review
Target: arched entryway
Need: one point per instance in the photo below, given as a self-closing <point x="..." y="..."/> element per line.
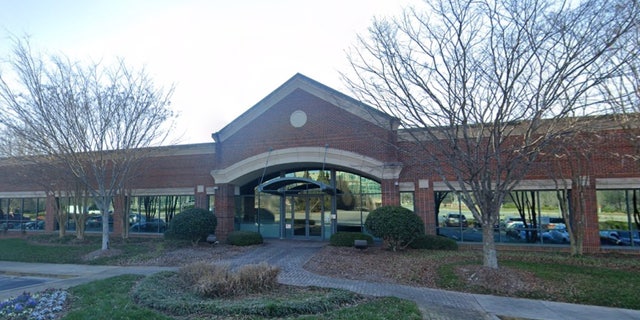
<point x="303" y="206"/>
<point x="304" y="192"/>
<point x="309" y="204"/>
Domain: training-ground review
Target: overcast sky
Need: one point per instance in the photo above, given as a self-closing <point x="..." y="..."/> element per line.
<point x="223" y="56"/>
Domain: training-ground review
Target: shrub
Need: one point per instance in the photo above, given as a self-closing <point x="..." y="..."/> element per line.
<point x="257" y="277"/>
<point x="209" y="280"/>
<point x="193" y="224"/>
<point x="346" y="239"/>
<point x="397" y="226"/>
<point x="244" y="238"/>
<point x="192" y="273"/>
<point x="432" y="242"/>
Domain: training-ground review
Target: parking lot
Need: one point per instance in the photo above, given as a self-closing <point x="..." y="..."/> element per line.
<point x="11" y="282"/>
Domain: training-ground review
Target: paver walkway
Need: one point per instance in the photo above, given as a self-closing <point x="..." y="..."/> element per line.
<point x="290" y="256"/>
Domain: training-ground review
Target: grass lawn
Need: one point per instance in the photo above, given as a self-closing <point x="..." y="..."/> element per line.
<point x="113" y="299"/>
<point x="605" y="279"/>
<point x="610" y="280"/>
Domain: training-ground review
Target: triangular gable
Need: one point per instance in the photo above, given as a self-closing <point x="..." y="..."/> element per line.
<point x="317" y="89"/>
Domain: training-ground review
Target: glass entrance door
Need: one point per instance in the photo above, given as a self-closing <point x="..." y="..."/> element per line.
<point x="307" y="215"/>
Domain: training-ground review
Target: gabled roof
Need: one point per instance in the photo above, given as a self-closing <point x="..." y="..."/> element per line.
<point x="299" y="81"/>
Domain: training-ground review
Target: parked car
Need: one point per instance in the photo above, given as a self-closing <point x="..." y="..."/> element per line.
<point x="151" y="225"/>
<point x="628" y="238"/>
<point x="557" y="234"/>
<point x="517" y="230"/>
<point x="34" y="225"/>
<point x="455" y="220"/>
<point x="509" y="220"/>
<point x="93" y="221"/>
<point x="14" y="221"/>
<point x="610" y="238"/>
<point x="551" y="222"/>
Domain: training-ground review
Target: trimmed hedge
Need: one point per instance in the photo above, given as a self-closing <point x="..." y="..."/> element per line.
<point x="432" y="242"/>
<point x="346" y="239"/>
<point x="244" y="238"/>
<point x="193" y="224"/>
<point x="397" y="226"/>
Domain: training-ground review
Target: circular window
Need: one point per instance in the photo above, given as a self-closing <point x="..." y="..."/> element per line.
<point x="298" y="118"/>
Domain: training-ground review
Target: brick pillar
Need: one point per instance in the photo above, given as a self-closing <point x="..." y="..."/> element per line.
<point x="200" y="197"/>
<point x="390" y="192"/>
<point x="50" y="213"/>
<point x="424" y="202"/>
<point x="119" y="215"/>
<point x="225" y="210"/>
<point x="589" y="208"/>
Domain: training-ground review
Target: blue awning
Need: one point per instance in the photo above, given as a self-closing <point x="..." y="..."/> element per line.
<point x="294" y="185"/>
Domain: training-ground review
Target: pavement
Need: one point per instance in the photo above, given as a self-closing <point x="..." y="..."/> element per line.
<point x="290" y="256"/>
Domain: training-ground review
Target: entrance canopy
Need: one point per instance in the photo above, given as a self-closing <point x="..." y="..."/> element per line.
<point x="283" y="186"/>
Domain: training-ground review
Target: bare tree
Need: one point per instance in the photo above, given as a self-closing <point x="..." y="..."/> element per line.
<point x="569" y="165"/>
<point x="622" y="92"/>
<point x="95" y="120"/>
<point x="525" y="202"/>
<point x="483" y="86"/>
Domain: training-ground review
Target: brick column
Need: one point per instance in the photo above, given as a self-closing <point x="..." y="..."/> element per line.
<point x="119" y="215"/>
<point x="200" y="197"/>
<point x="225" y="210"/>
<point x="390" y="192"/>
<point x="424" y="202"/>
<point x="50" y="213"/>
<point x="589" y="210"/>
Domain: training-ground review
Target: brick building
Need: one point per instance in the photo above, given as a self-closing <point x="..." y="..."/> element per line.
<point x="307" y="161"/>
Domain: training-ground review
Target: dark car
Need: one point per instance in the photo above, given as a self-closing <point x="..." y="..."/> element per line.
<point x="628" y="238"/>
<point x="455" y="220"/>
<point x="34" y="225"/>
<point x="15" y="221"/>
<point x="151" y="225"/>
<point x="516" y="230"/>
<point x="93" y="222"/>
<point x="610" y="238"/>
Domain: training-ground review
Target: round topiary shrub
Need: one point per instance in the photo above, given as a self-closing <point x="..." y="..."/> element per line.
<point x="433" y="242"/>
<point x="346" y="239"/>
<point x="193" y="224"/>
<point x="244" y="238"/>
<point x="397" y="226"/>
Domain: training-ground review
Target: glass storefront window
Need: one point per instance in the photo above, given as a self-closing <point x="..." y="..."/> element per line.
<point x="306" y="211"/>
<point x="153" y="214"/>
<point x="69" y="210"/>
<point x="407" y="200"/>
<point x="619" y="217"/>
<point x="525" y="217"/>
<point x="22" y="213"/>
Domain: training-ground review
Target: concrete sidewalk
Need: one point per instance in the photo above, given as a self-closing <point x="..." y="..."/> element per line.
<point x="291" y="256"/>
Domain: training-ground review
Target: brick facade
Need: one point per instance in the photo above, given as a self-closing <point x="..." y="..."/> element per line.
<point x="339" y="133"/>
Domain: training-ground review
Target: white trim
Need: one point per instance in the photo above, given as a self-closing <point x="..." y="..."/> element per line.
<point x="543" y="184"/>
<point x="617" y="183"/>
<point x="406" y="186"/>
<point x="163" y="192"/>
<point x="23" y="194"/>
<point x="211" y="190"/>
<point x="336" y="157"/>
<point x="540" y="184"/>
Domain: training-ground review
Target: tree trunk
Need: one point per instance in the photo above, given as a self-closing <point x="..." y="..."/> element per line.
<point x="62" y="222"/>
<point x="576" y="244"/>
<point x="105" y="229"/>
<point x="489" y="247"/>
<point x="62" y="230"/>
